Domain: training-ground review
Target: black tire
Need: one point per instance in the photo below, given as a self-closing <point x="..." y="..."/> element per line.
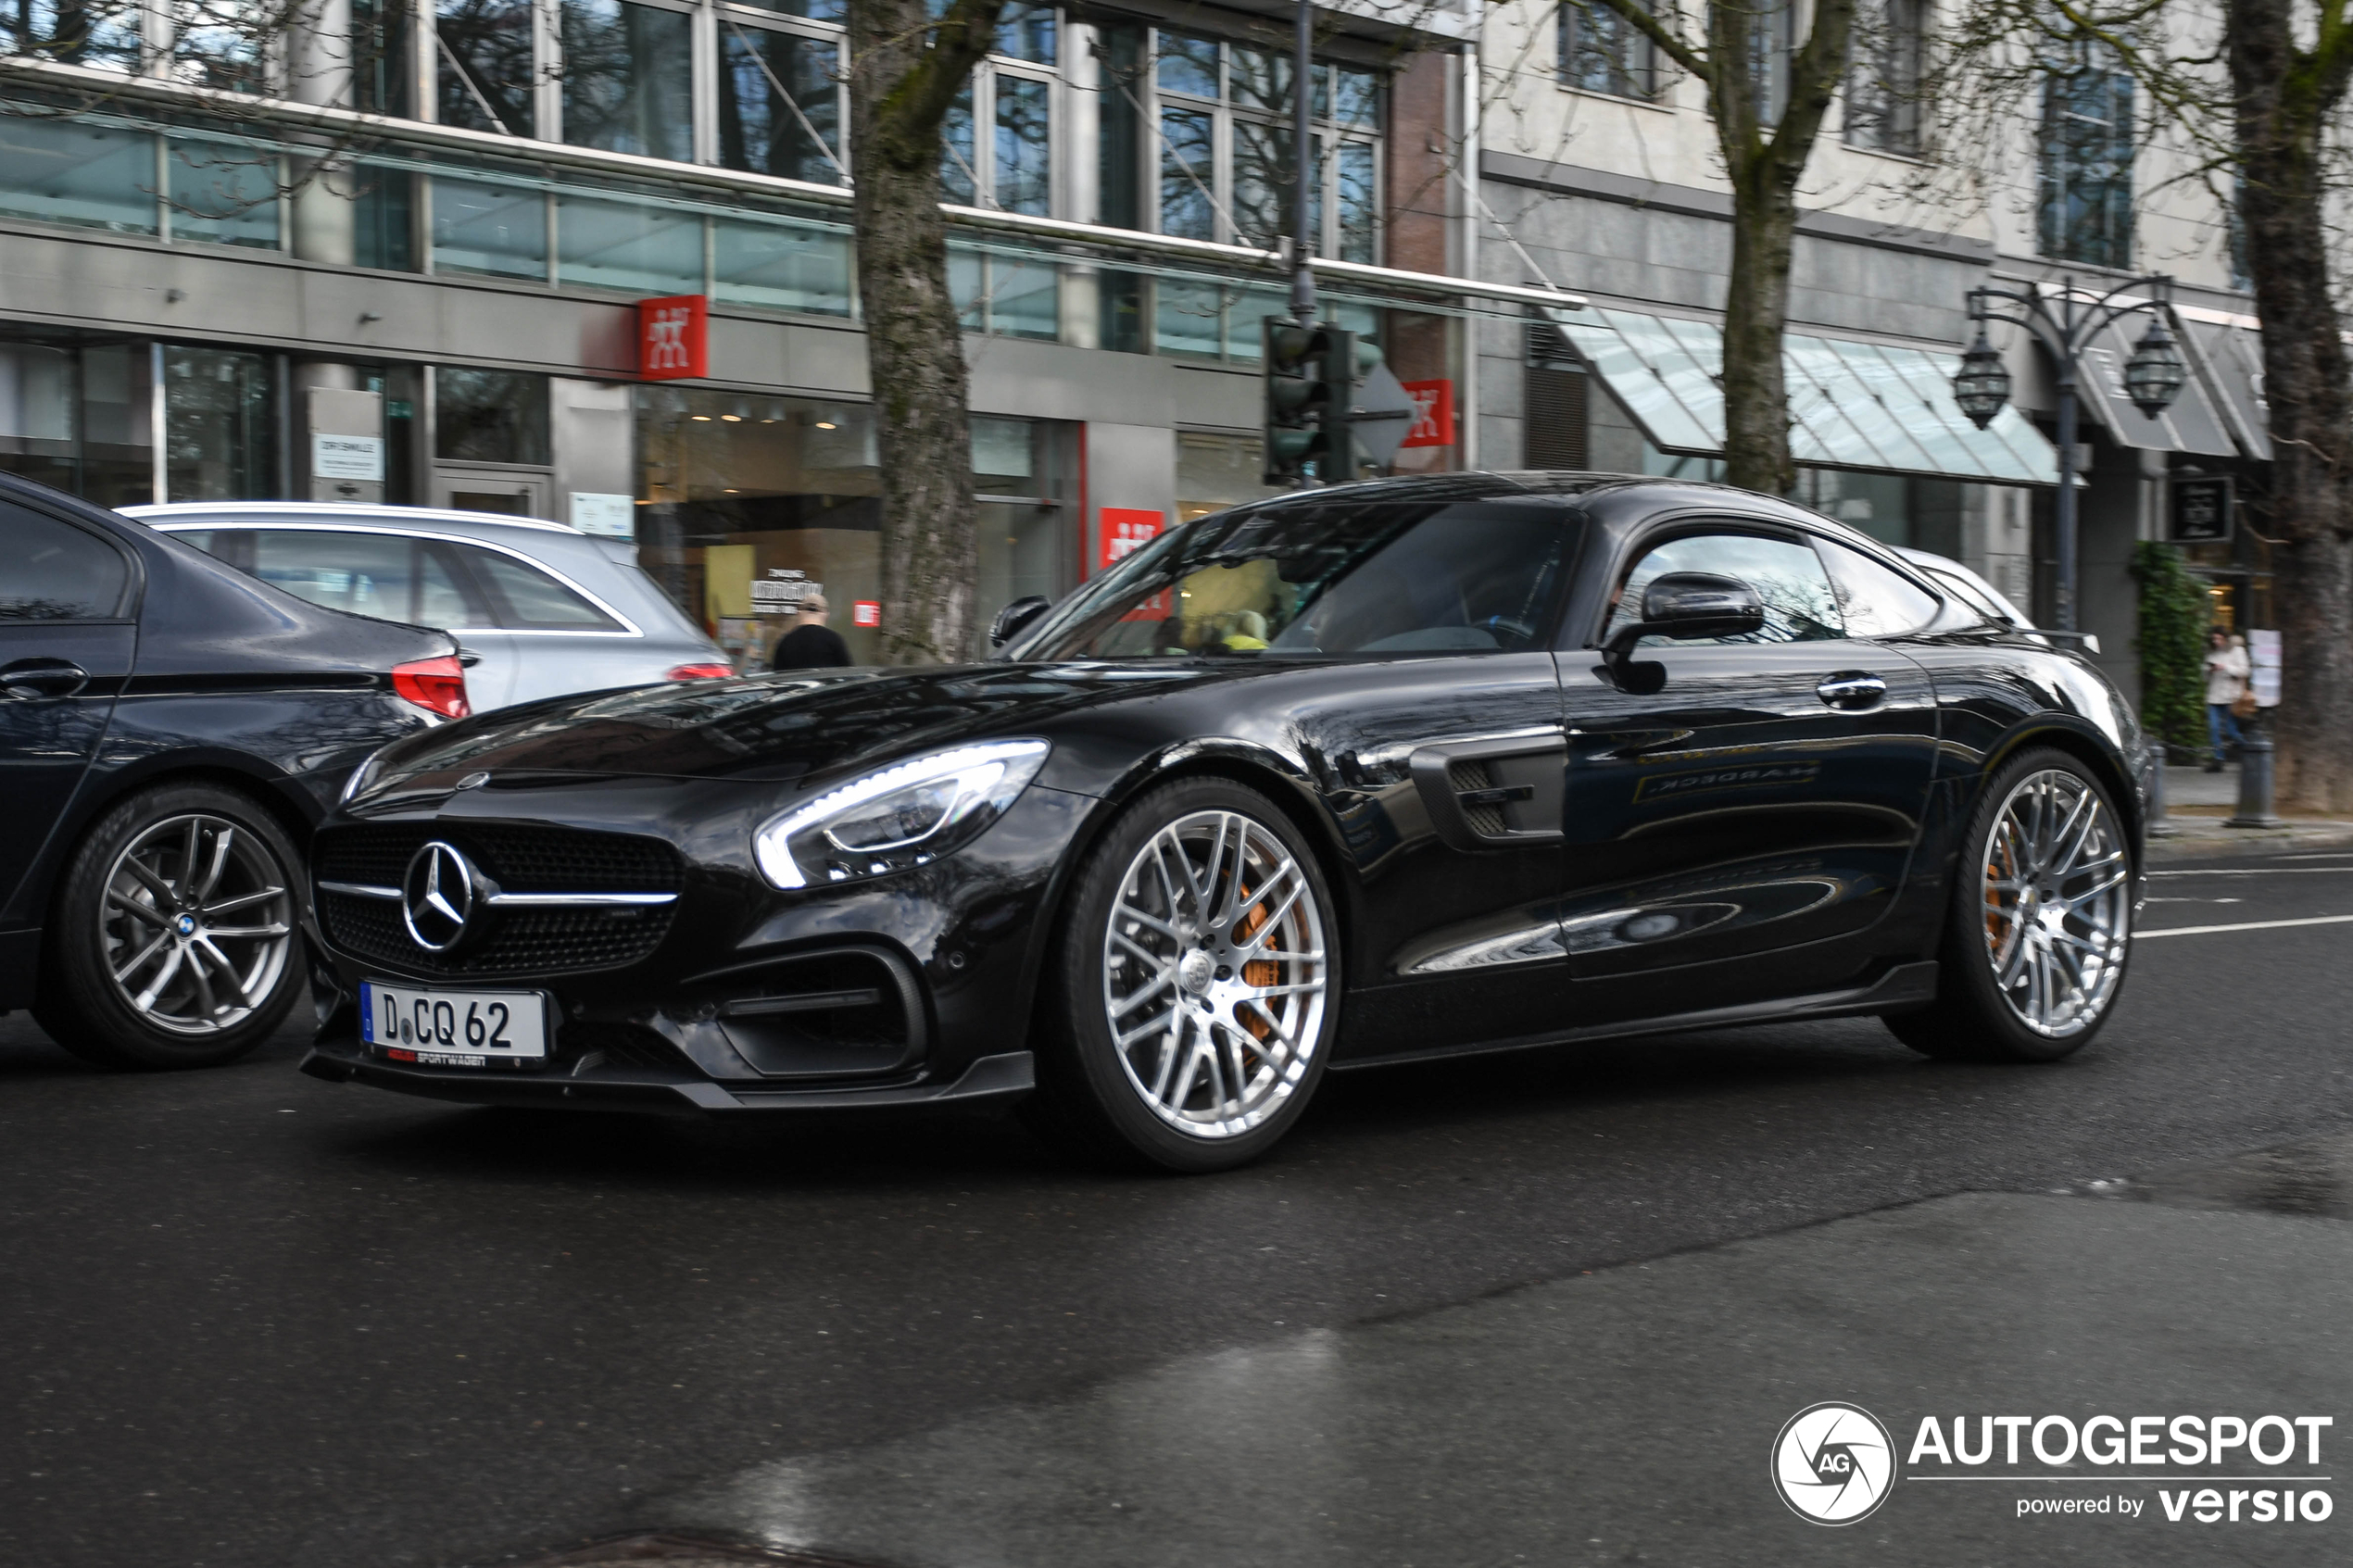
<point x="1092" y="1101"/>
<point x="1975" y="1017"/>
<point x="82" y="1006"/>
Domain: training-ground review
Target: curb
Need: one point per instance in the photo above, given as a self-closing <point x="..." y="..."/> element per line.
<point x="2210" y="839"/>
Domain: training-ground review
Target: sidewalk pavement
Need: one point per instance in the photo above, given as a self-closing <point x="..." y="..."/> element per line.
<point x="1631" y="1415"/>
<point x="2203" y="834"/>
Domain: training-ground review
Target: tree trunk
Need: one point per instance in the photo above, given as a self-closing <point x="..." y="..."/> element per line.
<point x="1755" y="311"/>
<point x="2284" y="103"/>
<point x="914" y="344"/>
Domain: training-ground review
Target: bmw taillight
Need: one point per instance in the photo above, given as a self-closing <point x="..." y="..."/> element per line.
<point x="700" y="673"/>
<point x="437" y="685"/>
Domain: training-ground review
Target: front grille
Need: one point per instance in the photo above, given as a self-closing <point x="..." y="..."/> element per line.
<point x="519" y="859"/>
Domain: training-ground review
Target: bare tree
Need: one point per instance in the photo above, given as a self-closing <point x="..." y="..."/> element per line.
<point x="905" y="73"/>
<point x="2286" y="101"/>
<point x="1768" y="105"/>
<point x="2250" y="106"/>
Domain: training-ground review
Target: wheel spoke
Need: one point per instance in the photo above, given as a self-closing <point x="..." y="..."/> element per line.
<point x="222" y="840"/>
<point x="145" y="956"/>
<point x="245" y="933"/>
<point x="154" y="879"/>
<point x="1158" y="961"/>
<point x="1121" y="1006"/>
<point x="1273" y="924"/>
<point x="199" y="972"/>
<point x="243" y="901"/>
<point x="130" y="906"/>
<point x="164" y="976"/>
<point x="228" y="972"/>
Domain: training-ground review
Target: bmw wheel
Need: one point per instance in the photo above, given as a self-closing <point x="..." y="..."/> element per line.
<point x="1195" y="993"/>
<point x="2041" y="924"/>
<point x="176" y="938"/>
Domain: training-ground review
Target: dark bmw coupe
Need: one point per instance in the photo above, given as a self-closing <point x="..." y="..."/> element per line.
<point x="1388" y="772"/>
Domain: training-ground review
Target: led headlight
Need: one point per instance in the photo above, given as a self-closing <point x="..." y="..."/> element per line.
<point x="903" y="815"/>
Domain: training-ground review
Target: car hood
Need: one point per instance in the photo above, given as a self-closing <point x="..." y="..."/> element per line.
<point x="773" y="728"/>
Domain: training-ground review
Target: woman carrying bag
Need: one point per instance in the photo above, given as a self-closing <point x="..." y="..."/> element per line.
<point x="2226" y="672"/>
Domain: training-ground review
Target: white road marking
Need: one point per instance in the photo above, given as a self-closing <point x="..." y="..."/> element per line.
<point x="2325" y="855"/>
<point x="2257" y="870"/>
<point x="2250" y="925"/>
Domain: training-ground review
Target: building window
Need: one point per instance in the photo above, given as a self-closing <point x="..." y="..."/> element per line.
<point x="1601" y="52"/>
<point x="1218" y="160"/>
<point x="485" y="73"/>
<point x="1012" y="169"/>
<point x="220" y="425"/>
<point x="101" y="34"/>
<point x="1883" y="93"/>
<point x="628" y="79"/>
<point x="2087" y="197"/>
<point x="489" y="416"/>
<point x="1768" y="47"/>
<point x="780" y="108"/>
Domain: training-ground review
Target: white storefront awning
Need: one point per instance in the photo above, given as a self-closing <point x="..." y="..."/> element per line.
<point x="1873" y="407"/>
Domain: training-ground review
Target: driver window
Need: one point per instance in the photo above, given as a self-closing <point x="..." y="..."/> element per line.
<point x="1799" y="604"/>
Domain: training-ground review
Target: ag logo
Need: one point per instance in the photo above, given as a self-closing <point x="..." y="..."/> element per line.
<point x="1833" y="1463"/>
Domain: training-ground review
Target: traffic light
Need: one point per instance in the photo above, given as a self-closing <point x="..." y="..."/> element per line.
<point x="1310" y="385"/>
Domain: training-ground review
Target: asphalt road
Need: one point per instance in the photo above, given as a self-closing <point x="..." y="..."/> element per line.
<point x="247" y="1319"/>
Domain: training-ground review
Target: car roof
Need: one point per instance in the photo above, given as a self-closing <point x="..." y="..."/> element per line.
<point x="335" y="511"/>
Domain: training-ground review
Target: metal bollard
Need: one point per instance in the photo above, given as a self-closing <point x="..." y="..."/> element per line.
<point x="2160" y="826"/>
<point x="2255" y="780"/>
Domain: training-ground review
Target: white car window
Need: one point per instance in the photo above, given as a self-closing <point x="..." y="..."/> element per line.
<point x="532" y="600"/>
<point x="1875" y="601"/>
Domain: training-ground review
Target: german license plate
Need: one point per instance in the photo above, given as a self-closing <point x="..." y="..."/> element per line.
<point x="436" y="1028"/>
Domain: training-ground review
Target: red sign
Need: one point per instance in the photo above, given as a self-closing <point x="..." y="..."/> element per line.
<point x="1435" y="427"/>
<point x="674" y="337"/>
<point x="1126" y="531"/>
<point x="865" y="612"/>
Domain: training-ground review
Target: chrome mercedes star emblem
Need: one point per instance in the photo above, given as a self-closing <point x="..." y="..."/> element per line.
<point x="437" y="896"/>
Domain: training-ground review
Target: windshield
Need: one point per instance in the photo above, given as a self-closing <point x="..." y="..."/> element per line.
<point x="1300" y="578"/>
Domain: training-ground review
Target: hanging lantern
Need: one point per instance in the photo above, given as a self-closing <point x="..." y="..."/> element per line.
<point x="2153" y="376"/>
<point x="1983" y="383"/>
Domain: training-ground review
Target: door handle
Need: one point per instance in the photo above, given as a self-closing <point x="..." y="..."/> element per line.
<point x="1852" y="689"/>
<point x="31" y="678"/>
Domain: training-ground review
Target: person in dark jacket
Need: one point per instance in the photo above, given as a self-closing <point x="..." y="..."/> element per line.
<point x="813" y="645"/>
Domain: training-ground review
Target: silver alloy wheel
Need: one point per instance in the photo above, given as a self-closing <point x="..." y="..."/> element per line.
<point x="197" y="925"/>
<point x="2058" y="904"/>
<point x="1215" y="973"/>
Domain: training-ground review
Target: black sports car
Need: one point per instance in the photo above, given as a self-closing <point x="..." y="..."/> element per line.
<point x="1390" y="771"/>
<point x="169" y="731"/>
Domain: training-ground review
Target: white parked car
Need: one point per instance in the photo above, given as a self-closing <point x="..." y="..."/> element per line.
<point x="1986" y="599"/>
<point x="546" y="610"/>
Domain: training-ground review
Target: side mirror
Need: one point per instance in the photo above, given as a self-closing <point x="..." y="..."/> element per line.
<point x="1683" y="605"/>
<point x="1016" y="617"/>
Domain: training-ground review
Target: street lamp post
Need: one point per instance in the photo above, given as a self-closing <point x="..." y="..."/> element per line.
<point x="2153" y="376"/>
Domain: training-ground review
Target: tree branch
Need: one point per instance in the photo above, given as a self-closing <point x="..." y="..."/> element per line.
<point x="917" y="104"/>
<point x="1676" y="49"/>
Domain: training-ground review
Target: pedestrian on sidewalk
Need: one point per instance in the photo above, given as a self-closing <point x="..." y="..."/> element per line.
<point x="2226" y="670"/>
<point x="813" y="645"/>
